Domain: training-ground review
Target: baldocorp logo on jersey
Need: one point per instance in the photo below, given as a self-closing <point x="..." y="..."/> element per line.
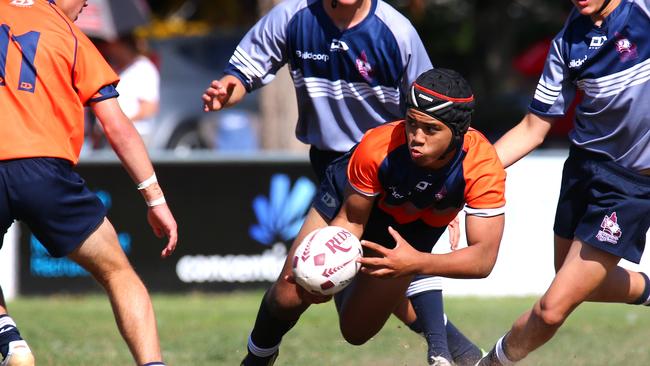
<point x="305" y="55"/>
<point x="577" y="63"/>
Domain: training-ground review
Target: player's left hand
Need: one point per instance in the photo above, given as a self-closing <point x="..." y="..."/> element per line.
<point x="391" y="263"/>
<point x="164" y="225"/>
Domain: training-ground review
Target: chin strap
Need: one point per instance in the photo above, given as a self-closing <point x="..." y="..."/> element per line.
<point x="335" y="3"/>
<point x="600" y="11"/>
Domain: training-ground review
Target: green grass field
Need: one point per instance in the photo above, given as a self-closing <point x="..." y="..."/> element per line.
<point x="201" y="329"/>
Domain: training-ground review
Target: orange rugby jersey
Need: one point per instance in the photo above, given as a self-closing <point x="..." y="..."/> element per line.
<point x="48" y="71"/>
<point x="475" y="179"/>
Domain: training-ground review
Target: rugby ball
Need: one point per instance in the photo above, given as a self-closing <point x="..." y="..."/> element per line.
<point x="325" y="261"/>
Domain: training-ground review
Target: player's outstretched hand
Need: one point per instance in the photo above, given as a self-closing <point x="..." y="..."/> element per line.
<point x="216" y="96"/>
<point x="164" y="225"/>
<point x="306" y="296"/>
<point x="391" y="263"/>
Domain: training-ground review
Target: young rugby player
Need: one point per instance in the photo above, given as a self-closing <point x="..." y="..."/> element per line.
<point x="352" y="62"/>
<point x="603" y="212"/>
<point x="399" y="188"/>
<point x="48" y="71"/>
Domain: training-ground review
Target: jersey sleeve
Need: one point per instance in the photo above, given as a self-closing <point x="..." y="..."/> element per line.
<point x="485" y="178"/>
<point x="555" y="91"/>
<point x="363" y="169"/>
<point x="92" y="77"/>
<point x="415" y="58"/>
<point x="262" y="51"/>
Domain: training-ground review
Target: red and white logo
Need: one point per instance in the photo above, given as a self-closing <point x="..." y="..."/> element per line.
<point x="625" y="48"/>
<point x="610" y="232"/>
<point x="364" y="67"/>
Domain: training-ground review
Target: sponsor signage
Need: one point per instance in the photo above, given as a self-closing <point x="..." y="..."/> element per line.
<point x="236" y="221"/>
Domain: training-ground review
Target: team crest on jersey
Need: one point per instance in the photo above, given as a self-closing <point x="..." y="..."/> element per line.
<point x="364" y="67"/>
<point x="22" y="3"/>
<point x="625" y="48"/>
<point x="610" y="232"/>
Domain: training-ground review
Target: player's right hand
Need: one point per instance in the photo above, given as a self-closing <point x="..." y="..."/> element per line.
<point x="164" y="225"/>
<point x="217" y="95"/>
<point x="306" y="296"/>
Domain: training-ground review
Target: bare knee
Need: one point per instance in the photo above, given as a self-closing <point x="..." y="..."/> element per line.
<point x="283" y="301"/>
<point x="354" y="338"/>
<point x="550" y="314"/>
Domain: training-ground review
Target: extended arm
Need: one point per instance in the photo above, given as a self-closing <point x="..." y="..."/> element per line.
<point x="128" y="146"/>
<point x="474" y="261"/>
<point x="523" y="138"/>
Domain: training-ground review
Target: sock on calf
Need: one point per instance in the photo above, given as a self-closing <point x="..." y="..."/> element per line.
<point x="430" y="321"/>
<point x="8" y="333"/>
<point x="644" y="299"/>
<point x="463" y="351"/>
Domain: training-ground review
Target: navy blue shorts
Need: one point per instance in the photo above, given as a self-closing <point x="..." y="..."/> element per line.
<point x="329" y="199"/>
<point x="604" y="205"/>
<point x="321" y="159"/>
<point x="53" y="200"/>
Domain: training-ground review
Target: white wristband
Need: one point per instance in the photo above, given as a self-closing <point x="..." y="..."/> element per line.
<point x="147" y="182"/>
<point x="157" y="202"/>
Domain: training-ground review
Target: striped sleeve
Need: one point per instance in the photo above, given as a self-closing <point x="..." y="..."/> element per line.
<point x="555" y="91"/>
<point x="262" y="51"/>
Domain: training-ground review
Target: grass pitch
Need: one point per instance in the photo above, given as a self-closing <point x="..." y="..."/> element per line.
<point x="198" y="329"/>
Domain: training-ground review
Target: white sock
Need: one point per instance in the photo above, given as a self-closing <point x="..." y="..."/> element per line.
<point x="261" y="352"/>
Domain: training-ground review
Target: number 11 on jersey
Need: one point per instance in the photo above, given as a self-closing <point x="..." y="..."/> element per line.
<point x="27" y="43"/>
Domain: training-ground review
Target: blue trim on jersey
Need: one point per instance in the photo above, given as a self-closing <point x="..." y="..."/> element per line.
<point x="106" y="92"/>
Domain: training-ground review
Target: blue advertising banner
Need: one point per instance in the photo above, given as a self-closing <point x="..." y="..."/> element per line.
<point x="236" y="221"/>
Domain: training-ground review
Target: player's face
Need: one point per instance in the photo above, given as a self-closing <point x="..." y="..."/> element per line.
<point x="72" y="8"/>
<point x="427" y="139"/>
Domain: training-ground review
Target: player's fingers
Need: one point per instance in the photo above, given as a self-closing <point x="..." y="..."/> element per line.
<point x="374" y="246"/>
<point x="398" y="238"/>
<point x="377" y="272"/>
<point x="371" y="261"/>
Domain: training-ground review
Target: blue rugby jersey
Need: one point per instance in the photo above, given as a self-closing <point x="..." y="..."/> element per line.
<point x="610" y="65"/>
<point x="346" y="81"/>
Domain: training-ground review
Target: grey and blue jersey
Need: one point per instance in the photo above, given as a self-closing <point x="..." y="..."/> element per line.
<point x="610" y="66"/>
<point x="346" y="81"/>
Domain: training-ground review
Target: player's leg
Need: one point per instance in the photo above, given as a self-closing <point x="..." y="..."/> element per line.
<point x="620" y="285"/>
<point x="583" y="270"/>
<point x="366" y="304"/>
<point x="281" y="306"/>
<point x="428" y="295"/>
<point x="14" y="350"/>
<point x="101" y="255"/>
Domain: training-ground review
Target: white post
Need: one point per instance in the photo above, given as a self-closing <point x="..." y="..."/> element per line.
<point x="9" y="263"/>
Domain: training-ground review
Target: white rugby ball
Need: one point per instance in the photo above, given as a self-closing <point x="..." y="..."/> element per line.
<point x="325" y="261"/>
